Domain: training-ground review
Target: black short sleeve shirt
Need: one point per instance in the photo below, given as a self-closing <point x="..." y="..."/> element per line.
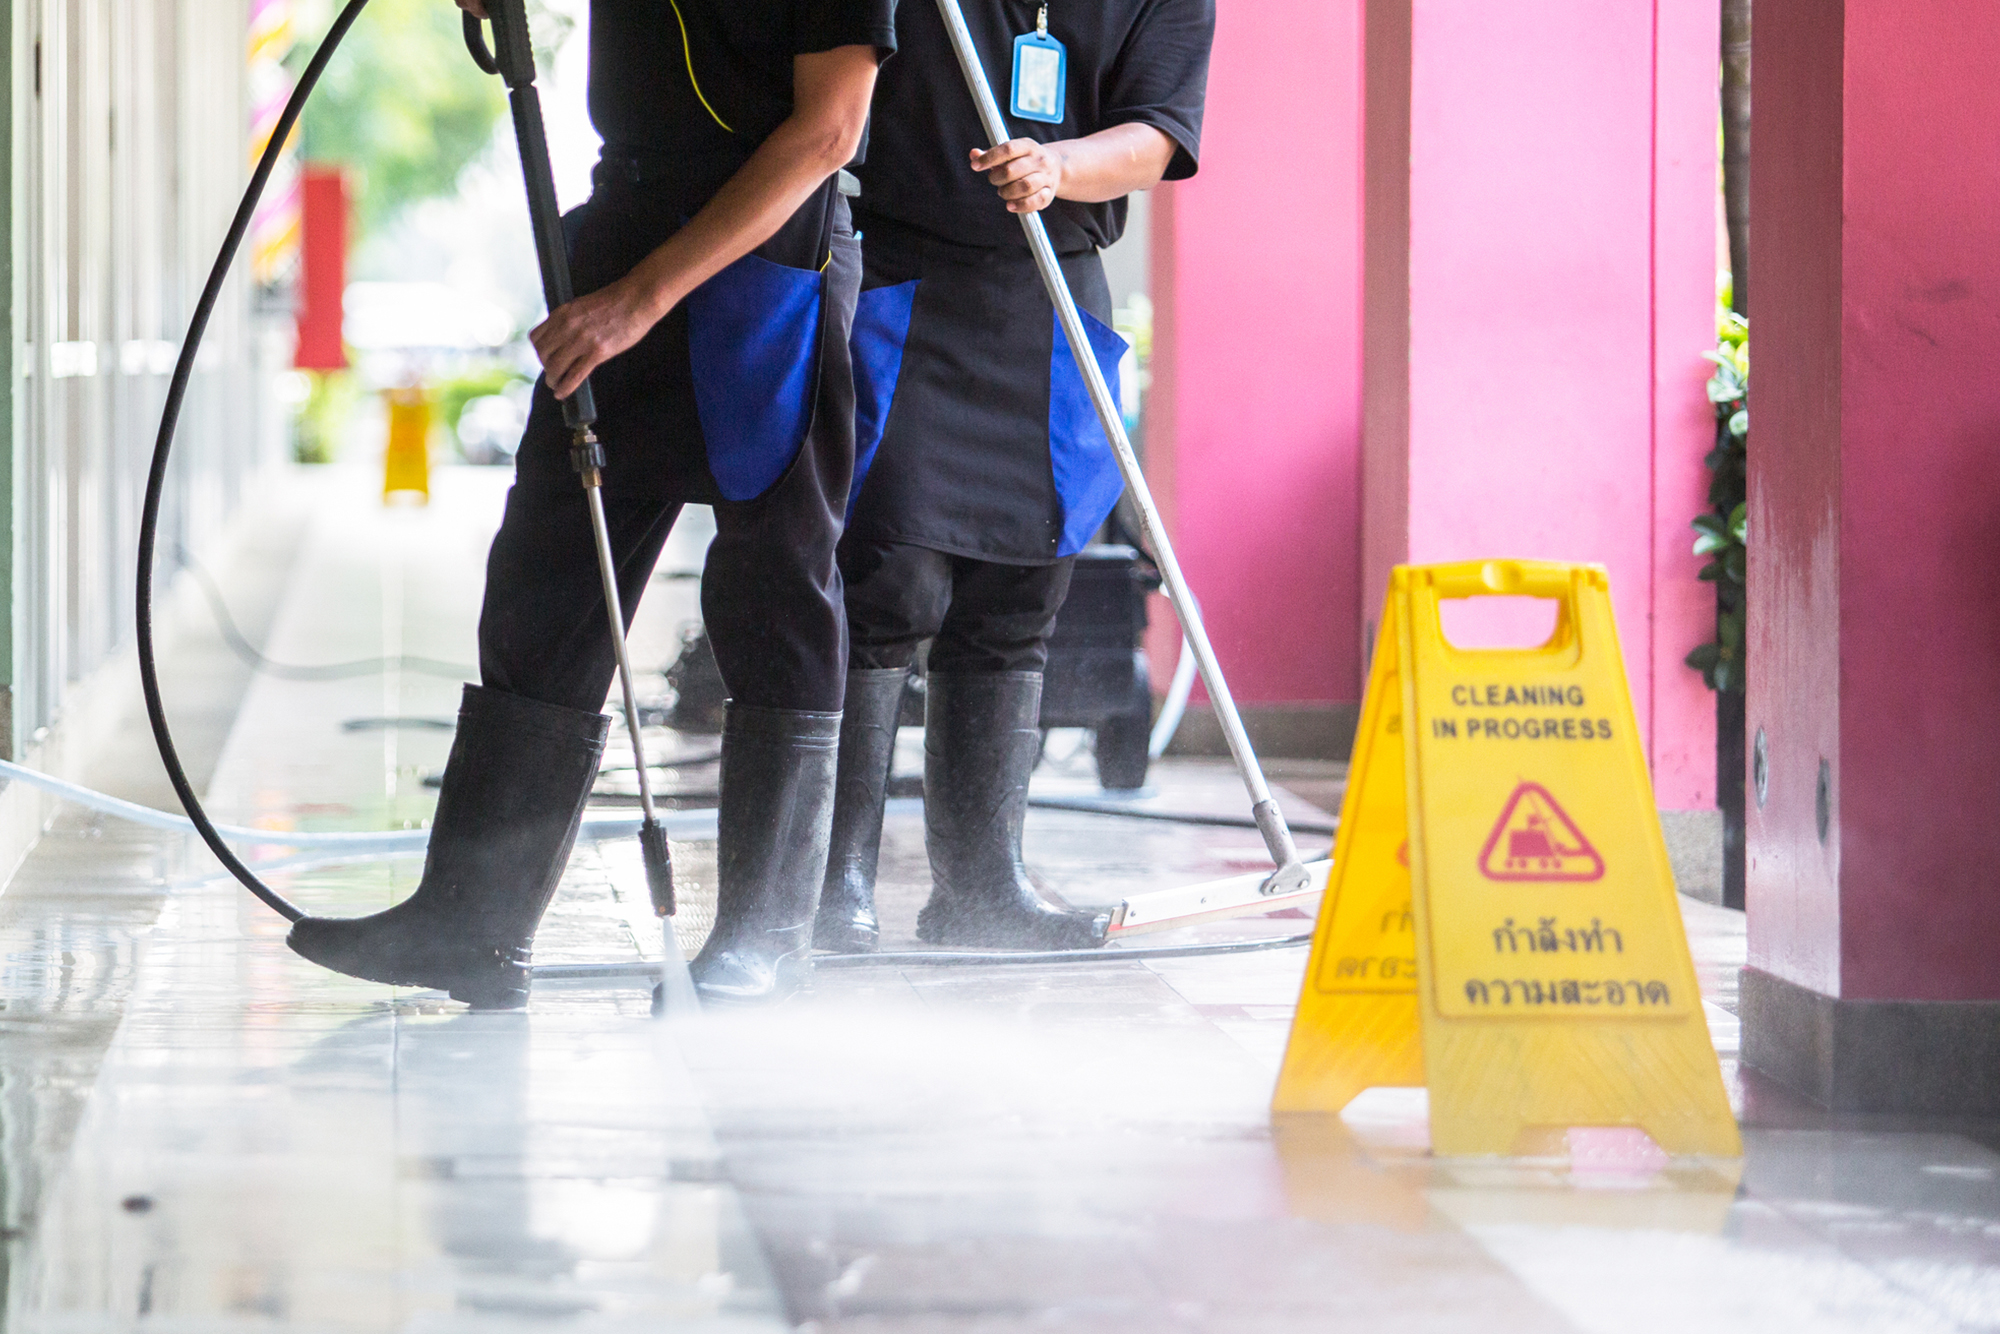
<point x="708" y="77"/>
<point x="1130" y="61"/>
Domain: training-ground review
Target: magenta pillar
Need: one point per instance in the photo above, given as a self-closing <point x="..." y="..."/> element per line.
<point x="1541" y="254"/>
<point x="1254" y="419"/>
<point x="1874" y="700"/>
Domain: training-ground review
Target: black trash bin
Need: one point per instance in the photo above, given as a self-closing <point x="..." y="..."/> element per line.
<point x="1097" y="673"/>
<point x="1096" y="678"/>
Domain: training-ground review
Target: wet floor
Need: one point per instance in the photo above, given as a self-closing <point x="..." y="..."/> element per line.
<point x="200" y="1131"/>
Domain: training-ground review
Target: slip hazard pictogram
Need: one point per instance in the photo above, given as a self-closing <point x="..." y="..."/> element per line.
<point x="1536" y="840"/>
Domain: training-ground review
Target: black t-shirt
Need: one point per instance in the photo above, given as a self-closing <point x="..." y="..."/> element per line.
<point x="1143" y="61"/>
<point x="712" y="78"/>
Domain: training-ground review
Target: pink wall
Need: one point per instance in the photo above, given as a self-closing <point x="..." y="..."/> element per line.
<point x="1254" y="423"/>
<point x="1686" y="181"/>
<point x="1541" y="196"/>
<point x="1876" y="497"/>
<point x="1795" y="259"/>
<point x="1540" y="258"/>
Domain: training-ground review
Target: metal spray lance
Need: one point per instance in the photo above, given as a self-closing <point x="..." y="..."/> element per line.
<point x="512" y="57"/>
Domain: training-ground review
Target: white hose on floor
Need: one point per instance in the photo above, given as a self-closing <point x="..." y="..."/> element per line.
<point x="681" y="824"/>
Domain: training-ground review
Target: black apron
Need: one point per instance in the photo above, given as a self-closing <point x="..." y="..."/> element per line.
<point x="974" y="433"/>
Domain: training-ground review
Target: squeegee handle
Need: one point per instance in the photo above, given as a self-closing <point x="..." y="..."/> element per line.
<point x="1270" y="821"/>
<point x="512" y="57"/>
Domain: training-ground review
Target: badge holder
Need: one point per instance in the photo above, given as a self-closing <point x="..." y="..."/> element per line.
<point x="1041" y="75"/>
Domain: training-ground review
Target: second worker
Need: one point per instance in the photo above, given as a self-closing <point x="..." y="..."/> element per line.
<point x="981" y="469"/>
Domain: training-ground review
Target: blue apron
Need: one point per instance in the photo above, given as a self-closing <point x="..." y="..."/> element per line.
<point x="737" y="366"/>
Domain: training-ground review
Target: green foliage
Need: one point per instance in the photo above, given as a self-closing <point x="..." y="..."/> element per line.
<point x="402" y="106"/>
<point x="321" y="422"/>
<point x="1722" y="533"/>
<point x="453" y="394"/>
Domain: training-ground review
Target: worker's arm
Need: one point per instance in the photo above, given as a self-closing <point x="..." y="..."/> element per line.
<point x="1098" y="167"/>
<point x="830" y="93"/>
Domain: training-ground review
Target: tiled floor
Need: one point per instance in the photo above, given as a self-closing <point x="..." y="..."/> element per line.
<point x="199" y="1131"/>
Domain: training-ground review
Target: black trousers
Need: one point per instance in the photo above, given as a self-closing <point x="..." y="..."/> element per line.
<point x="982" y="616"/>
<point x="771" y="591"/>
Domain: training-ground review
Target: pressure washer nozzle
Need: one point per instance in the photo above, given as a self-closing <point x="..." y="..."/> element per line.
<point x="586" y="456"/>
<point x="659" y="866"/>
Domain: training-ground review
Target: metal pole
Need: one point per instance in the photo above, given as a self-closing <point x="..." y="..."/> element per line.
<point x="593" y="487"/>
<point x="512" y="58"/>
<point x="1290" y="874"/>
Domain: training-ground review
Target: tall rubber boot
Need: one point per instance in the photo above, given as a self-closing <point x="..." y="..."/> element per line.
<point x="846" y="922"/>
<point x="774" y="822"/>
<point x="982" y="736"/>
<point x="514" y="790"/>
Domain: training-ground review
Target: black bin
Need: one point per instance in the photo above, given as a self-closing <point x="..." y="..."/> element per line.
<point x="1097" y="674"/>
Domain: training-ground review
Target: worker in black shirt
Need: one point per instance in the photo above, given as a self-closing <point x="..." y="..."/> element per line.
<point x="981" y="469"/>
<point x="718" y="269"/>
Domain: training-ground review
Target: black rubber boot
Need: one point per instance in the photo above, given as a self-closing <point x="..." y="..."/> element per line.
<point x="514" y="790"/>
<point x="774" y="823"/>
<point x="982" y="736"/>
<point x="846" y="921"/>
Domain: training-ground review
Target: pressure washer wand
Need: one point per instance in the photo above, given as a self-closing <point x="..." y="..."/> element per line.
<point x="512" y="57"/>
<point x="1291" y="876"/>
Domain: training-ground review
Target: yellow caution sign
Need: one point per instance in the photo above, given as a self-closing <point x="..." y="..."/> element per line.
<point x="1357" y="1023"/>
<point x="1501" y="923"/>
<point x="407" y="465"/>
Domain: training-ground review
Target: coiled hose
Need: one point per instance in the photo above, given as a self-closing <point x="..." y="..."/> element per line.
<point x="156" y="477"/>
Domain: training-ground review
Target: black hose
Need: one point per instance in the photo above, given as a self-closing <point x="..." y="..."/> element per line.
<point x="995" y="958"/>
<point x="156" y="478"/>
<point x="1105" y="806"/>
<point x="642" y="972"/>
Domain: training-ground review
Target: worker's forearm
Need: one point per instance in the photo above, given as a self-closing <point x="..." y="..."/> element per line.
<point x="780" y="176"/>
<point x="832" y="90"/>
<point x="1113" y="163"/>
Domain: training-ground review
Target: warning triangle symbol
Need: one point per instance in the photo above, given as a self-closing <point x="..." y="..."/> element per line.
<point x="1536" y="840"/>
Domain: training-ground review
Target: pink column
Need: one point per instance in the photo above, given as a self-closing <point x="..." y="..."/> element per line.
<point x="1541" y="184"/>
<point x="1253" y="427"/>
<point x="1875" y="526"/>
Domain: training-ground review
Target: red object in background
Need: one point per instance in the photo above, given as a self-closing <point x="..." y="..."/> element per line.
<point x="323" y="269"/>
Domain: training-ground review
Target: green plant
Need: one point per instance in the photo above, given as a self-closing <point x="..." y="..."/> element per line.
<point x="1722" y="532"/>
<point x="453" y="394"/>
<point x="404" y="107"/>
<point x="320" y="423"/>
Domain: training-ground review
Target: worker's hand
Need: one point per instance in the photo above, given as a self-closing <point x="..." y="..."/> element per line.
<point x="476" y="8"/>
<point x="1029" y="174"/>
<point x="588" y="332"/>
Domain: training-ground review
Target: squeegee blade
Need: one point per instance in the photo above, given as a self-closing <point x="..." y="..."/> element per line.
<point x="1212" y="901"/>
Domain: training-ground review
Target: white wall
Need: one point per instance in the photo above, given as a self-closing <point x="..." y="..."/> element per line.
<point x="130" y="130"/>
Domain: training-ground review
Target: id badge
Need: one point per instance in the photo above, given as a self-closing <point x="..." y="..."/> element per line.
<point x="1041" y="77"/>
